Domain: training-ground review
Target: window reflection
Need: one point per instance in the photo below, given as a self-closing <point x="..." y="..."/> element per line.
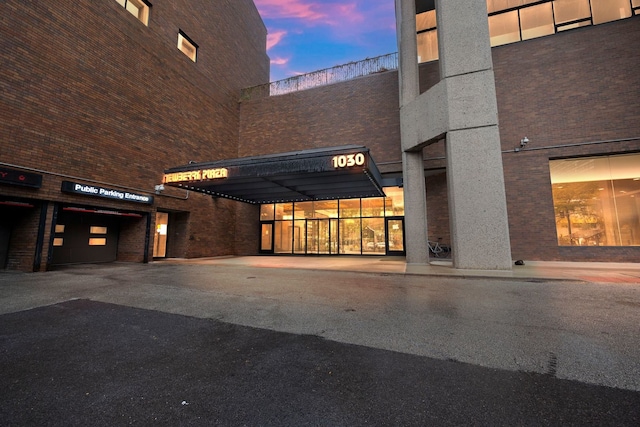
<point x="426" y="20"/>
<point x="597" y="200"/>
<point x="537" y="21"/>
<point x="504" y="28"/>
<point x="428" y="46"/>
<point x="514" y="20"/>
<point x="498" y="5"/>
<point x="610" y="10"/>
<point x="571" y="10"/>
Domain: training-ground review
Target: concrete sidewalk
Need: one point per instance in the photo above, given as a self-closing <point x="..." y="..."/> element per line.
<point x="583" y="327"/>
<point x="597" y="272"/>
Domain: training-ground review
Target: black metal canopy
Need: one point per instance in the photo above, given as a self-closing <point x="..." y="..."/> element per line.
<point x="319" y="174"/>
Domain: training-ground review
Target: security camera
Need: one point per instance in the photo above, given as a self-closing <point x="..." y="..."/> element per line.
<point x="524" y="141"/>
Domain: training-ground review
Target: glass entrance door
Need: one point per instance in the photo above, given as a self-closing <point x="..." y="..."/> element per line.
<point x="266" y="237"/>
<point x="160" y="240"/>
<point x="321" y="236"/>
<point x="395" y="236"/>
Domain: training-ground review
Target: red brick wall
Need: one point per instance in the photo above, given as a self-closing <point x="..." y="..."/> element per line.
<point x="90" y="92"/>
<point x="362" y="111"/>
<point x="571" y="88"/>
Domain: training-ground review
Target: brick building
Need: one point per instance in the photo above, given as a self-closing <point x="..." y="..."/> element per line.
<point x="100" y="98"/>
<point x="97" y="99"/>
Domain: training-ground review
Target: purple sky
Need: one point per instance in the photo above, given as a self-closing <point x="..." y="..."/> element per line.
<point x="309" y="35"/>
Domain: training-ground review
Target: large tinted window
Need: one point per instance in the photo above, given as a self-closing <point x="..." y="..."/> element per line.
<point x="597" y="200"/>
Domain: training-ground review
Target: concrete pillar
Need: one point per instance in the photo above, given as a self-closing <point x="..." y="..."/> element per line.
<point x="415" y="199"/>
<point x="407" y="51"/>
<point x="415" y="208"/>
<point x="477" y="202"/>
<point x="477" y="207"/>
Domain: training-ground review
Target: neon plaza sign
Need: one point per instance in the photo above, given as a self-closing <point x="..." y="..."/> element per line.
<point x="195" y="175"/>
<point x="317" y="164"/>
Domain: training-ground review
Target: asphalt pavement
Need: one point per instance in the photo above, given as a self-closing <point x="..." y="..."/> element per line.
<point x="228" y="342"/>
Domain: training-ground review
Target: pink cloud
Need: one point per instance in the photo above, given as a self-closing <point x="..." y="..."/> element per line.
<point x="273" y="38"/>
<point x="298" y="9"/>
<point x="311" y="12"/>
<point x="279" y="61"/>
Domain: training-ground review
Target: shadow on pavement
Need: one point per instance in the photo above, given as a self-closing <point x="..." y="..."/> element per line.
<point x="88" y="363"/>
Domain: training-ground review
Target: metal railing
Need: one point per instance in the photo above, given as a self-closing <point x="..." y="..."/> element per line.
<point x="324" y="77"/>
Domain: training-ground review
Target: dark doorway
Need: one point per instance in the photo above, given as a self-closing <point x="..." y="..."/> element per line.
<point x="5" y="236"/>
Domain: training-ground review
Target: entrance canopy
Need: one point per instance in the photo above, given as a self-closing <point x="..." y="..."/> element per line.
<point x="319" y="174"/>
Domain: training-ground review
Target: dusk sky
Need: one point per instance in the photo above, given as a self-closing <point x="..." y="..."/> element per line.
<point x="309" y="35"/>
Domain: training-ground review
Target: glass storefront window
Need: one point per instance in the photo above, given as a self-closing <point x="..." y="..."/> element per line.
<point x="350" y="236"/>
<point x="302" y="210"/>
<point x="610" y="10"/>
<point x="597" y="200"/>
<point x="267" y="212"/>
<point x="284" y="211"/>
<point x="346" y="226"/>
<point x="326" y="209"/>
<point x="283" y="237"/>
<point x="373" y="236"/>
<point x="394" y="202"/>
<point x="349" y="208"/>
<point x="504" y="28"/>
<point x="317" y="209"/>
<point x="299" y="241"/>
<point x="536" y="21"/>
<point x="373" y="207"/>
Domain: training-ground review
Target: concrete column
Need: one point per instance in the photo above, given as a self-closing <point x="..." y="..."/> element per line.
<point x="407" y="51"/>
<point x="415" y="198"/>
<point x="477" y="207"/>
<point x="415" y="208"/>
<point x="477" y="202"/>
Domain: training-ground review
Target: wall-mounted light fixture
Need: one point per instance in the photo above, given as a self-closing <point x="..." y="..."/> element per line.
<point x="159" y="188"/>
<point x="523" y="143"/>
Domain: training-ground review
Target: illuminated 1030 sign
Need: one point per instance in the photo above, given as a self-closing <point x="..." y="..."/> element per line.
<point x="348" y="160"/>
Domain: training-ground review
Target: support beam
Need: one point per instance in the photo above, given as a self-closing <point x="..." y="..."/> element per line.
<point x="475" y="178"/>
<point x="462" y="107"/>
<point x="415" y="196"/>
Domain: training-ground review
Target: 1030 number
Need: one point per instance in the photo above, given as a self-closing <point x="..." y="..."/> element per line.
<point x="348" y="160"/>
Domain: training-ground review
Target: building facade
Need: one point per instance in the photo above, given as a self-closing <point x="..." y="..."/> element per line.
<point x="99" y="99"/>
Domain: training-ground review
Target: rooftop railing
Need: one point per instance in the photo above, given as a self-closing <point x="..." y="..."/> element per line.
<point x="324" y="77"/>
